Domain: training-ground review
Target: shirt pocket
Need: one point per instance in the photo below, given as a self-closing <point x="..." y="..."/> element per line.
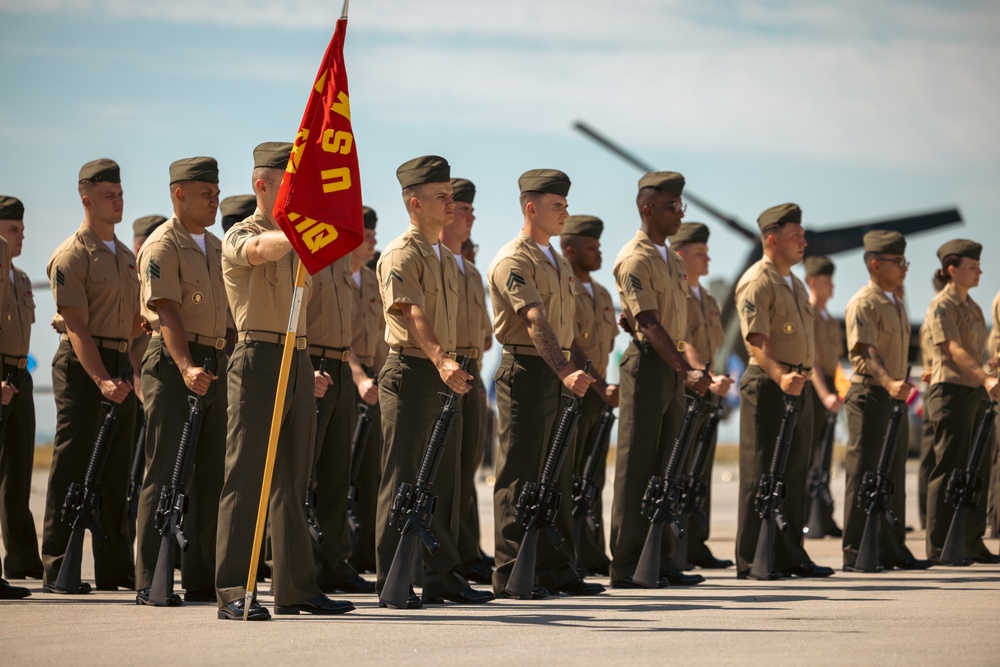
<point x="277" y="272"/>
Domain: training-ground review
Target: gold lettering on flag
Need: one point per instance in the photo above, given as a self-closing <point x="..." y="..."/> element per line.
<point x="339" y="179"/>
<point x="316" y="235"/>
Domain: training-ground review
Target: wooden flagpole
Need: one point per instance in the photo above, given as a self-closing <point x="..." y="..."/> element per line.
<point x="272" y="441"/>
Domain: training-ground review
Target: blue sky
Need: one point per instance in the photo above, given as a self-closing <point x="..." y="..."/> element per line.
<point x="855" y="110"/>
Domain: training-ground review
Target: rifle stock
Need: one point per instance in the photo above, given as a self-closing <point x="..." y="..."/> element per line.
<point x="771" y="495"/>
<point x="173" y="504"/>
<point x="538" y="504"/>
<point x="694" y="489"/>
<point x="82" y="504"/>
<point x="661" y="502"/>
<point x="963" y="489"/>
<point x="875" y="492"/>
<point x="585" y="489"/>
<point x="414" y="505"/>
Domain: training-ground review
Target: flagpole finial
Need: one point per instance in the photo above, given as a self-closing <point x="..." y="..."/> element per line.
<point x="343" y="13"/>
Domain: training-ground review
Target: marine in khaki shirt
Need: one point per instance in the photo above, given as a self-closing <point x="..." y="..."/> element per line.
<point x="96" y="291"/>
<point x="596" y="329"/>
<point x="704" y="336"/>
<point x="776" y="320"/>
<point x="878" y="338"/>
<point x="653" y="286"/>
<point x="418" y="281"/>
<point x="17" y="445"/>
<point x="533" y="317"/>
<point x="259" y="267"/>
<point x="474" y="335"/>
<point x="369" y="335"/>
<point x="330" y="328"/>
<point x="960" y="392"/>
<point x="184" y="302"/>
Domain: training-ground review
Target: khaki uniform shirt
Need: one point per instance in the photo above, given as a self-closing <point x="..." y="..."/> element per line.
<point x="85" y="273"/>
<point x="4" y="271"/>
<point x="369" y="320"/>
<point x="473" y="321"/>
<point x="522" y="274"/>
<point x="260" y="297"/>
<point x="829" y="342"/>
<point x="595" y="324"/>
<point x="767" y="306"/>
<point x="330" y="310"/>
<point x="18" y="315"/>
<point x="873" y="319"/>
<point x="647" y="282"/>
<point x="993" y="344"/>
<point x="961" y="322"/>
<point x="926" y="344"/>
<point x="173" y="267"/>
<point x="409" y="272"/>
<point x="705" y="330"/>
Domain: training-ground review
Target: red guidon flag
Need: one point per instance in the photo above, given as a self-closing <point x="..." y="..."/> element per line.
<point x="319" y="203"/>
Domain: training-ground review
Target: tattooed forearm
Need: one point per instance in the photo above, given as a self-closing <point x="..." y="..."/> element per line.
<point x="545" y="339"/>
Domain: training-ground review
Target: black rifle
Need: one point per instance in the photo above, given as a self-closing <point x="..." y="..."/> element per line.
<point x="414" y="506"/>
<point x="819" y="482"/>
<point x="693" y="485"/>
<point x="169" y="517"/>
<point x="312" y="497"/>
<point x="963" y="489"/>
<point x="875" y="493"/>
<point x="661" y="501"/>
<point x="771" y="494"/>
<point x="82" y="504"/>
<point x="585" y="490"/>
<point x="538" y="503"/>
<point x="358" y="443"/>
<point x="135" y="474"/>
<point x="5" y="410"/>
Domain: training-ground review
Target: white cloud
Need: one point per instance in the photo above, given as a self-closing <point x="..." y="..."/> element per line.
<point x="880" y="83"/>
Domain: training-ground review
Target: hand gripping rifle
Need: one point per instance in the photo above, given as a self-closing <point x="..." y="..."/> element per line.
<point x="312" y="496"/>
<point x="771" y="494"/>
<point x="660" y="503"/>
<point x="539" y="502"/>
<point x="414" y="506"/>
<point x="82" y="504"/>
<point x="585" y="490"/>
<point x="358" y="443"/>
<point x="963" y="489"/>
<point x="875" y="492"/>
<point x="819" y="481"/>
<point x="169" y="516"/>
<point x="135" y="474"/>
<point x="694" y="489"/>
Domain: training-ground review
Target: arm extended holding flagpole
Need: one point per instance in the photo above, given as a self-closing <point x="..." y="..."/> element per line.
<point x="272" y="441"/>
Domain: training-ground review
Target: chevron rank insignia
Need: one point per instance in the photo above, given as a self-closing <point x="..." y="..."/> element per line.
<point x="748" y="306"/>
<point x="60" y="277"/>
<point x="393" y="275"/>
<point x="939" y="312"/>
<point x="153" y="270"/>
<point x="634" y="283"/>
<point x="513" y="280"/>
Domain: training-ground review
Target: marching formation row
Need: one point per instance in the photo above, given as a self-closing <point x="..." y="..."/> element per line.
<point x="383" y="418"/>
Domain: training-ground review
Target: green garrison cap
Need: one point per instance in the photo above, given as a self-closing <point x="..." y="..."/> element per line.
<point x="272" y="155"/>
<point x="818" y="265"/>
<point x="782" y="214"/>
<point x="11" y="208"/>
<point x="421" y="170"/>
<point x="690" y="232"/>
<point x="668" y="181"/>
<point x="236" y="209"/>
<point x="885" y="241"/>
<point x="370" y="217"/>
<point x="145" y="225"/>
<point x="463" y="190"/>
<point x="583" y="225"/>
<point x="204" y="169"/>
<point x="101" y="171"/>
<point x="962" y="248"/>
<point x="545" y="181"/>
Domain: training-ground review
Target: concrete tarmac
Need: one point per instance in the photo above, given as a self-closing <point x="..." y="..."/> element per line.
<point x="940" y="616"/>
